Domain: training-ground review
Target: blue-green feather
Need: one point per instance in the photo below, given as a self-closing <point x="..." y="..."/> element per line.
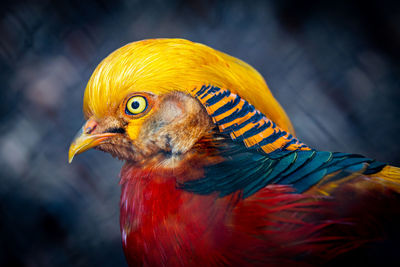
<point x="249" y="170"/>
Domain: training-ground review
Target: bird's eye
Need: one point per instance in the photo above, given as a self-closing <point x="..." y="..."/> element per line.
<point x="136" y="105"/>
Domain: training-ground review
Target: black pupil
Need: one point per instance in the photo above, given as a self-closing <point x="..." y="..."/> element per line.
<point x="135" y="105"/>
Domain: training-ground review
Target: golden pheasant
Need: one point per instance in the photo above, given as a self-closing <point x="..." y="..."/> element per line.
<point x="214" y="175"/>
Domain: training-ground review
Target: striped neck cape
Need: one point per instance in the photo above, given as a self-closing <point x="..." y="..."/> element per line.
<point x="237" y="117"/>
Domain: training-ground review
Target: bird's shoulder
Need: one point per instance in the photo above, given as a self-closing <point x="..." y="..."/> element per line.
<point x="250" y="169"/>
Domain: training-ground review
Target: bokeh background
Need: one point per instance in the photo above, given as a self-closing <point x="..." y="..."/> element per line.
<point x="334" y="66"/>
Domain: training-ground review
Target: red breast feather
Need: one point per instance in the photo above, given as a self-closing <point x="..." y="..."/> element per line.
<point x="162" y="225"/>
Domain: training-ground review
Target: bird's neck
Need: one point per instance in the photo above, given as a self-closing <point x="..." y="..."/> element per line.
<point x="147" y="196"/>
<point x="243" y="122"/>
<point x="155" y="214"/>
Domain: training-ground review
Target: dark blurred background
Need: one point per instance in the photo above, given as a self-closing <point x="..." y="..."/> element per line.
<point x="334" y="66"/>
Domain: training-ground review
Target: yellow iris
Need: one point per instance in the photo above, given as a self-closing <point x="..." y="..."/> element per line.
<point x="136" y="105"/>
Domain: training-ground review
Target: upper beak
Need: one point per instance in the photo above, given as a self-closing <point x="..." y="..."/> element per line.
<point x="85" y="139"/>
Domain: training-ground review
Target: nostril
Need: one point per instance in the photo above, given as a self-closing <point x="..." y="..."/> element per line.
<point x="90" y="126"/>
<point x="88" y="130"/>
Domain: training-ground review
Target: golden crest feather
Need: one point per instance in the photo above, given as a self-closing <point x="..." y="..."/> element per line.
<point x="158" y="66"/>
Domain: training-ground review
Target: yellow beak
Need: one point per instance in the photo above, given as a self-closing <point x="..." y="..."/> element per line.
<point x="85" y="140"/>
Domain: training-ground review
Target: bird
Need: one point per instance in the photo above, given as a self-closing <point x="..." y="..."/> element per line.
<point x="214" y="174"/>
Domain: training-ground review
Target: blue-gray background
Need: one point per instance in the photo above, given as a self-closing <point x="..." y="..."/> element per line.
<point x="334" y="66"/>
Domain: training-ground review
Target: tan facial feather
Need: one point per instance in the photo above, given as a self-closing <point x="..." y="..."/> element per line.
<point x="177" y="122"/>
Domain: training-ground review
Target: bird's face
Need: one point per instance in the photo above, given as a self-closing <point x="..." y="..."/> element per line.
<point x="145" y="127"/>
<point x="138" y="102"/>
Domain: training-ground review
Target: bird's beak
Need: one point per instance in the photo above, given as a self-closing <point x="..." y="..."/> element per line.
<point x="85" y="139"/>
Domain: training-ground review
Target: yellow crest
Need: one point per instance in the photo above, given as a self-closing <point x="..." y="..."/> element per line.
<point x="162" y="65"/>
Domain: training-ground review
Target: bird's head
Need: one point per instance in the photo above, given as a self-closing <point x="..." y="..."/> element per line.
<point x="138" y="102"/>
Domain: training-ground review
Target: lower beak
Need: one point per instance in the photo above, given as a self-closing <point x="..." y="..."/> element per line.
<point x="84" y="140"/>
